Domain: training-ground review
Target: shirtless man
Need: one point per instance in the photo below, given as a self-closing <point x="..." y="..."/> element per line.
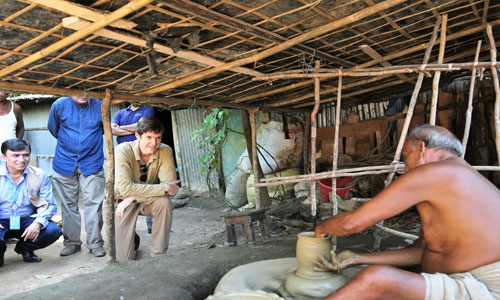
<point x="11" y="118"/>
<point x="459" y="209"/>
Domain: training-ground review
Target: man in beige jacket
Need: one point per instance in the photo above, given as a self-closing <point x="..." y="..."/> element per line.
<point x="145" y="178"/>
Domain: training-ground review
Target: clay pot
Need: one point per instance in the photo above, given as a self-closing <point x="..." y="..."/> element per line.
<point x="305" y="282"/>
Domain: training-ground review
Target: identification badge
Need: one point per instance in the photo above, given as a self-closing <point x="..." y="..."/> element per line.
<point x="15" y="223"/>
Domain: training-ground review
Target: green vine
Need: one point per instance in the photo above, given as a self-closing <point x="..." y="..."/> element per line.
<point x="211" y="136"/>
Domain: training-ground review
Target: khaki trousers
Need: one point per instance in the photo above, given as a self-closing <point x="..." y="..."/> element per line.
<point x="92" y="189"/>
<point x="160" y="210"/>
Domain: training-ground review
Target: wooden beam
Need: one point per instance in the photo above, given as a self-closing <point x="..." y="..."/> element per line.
<point x="392" y="23"/>
<point x="74" y="9"/>
<point x="122" y="97"/>
<point x="274" y="91"/>
<point x="76" y="23"/>
<point x="423" y="46"/>
<point x="276" y="49"/>
<point x="375" y="55"/>
<point x="206" y="13"/>
<point x="114" y="16"/>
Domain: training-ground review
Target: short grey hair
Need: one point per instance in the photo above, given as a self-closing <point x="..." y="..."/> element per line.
<point x="437" y="136"/>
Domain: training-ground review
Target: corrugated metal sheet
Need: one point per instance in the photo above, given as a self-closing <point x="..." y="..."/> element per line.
<point x="43" y="144"/>
<point x="187" y="154"/>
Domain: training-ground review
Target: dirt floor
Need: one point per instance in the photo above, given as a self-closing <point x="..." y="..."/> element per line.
<point x="197" y="258"/>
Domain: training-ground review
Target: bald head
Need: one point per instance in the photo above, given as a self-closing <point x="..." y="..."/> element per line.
<point x="436" y="137"/>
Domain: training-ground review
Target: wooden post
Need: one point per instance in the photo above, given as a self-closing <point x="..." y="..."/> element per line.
<point x="406" y="125"/>
<point x="437" y="74"/>
<point x="493" y="54"/>
<point x="261" y="195"/>
<point x="468" y="115"/>
<point x="110" y="177"/>
<point x="413" y="101"/>
<point x="307" y="142"/>
<point x="336" y="154"/>
<point x="313" y="143"/>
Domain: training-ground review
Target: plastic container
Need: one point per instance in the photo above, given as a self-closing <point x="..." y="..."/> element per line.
<point x="325" y="188"/>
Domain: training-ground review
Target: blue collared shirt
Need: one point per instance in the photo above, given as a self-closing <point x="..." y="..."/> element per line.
<point x="24" y="206"/>
<point x="78" y="130"/>
<point x="127" y="116"/>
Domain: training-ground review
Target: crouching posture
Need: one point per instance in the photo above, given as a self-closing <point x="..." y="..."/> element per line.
<point x="145" y="178"/>
<point x="459" y="209"/>
<point x="26" y="203"/>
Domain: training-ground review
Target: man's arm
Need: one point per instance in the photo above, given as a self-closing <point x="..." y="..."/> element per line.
<point x="53" y="122"/>
<point x="407" y="257"/>
<point x="124" y="180"/>
<point x="410" y="189"/>
<point x="20" y="123"/>
<point x="120" y="130"/>
<point x="43" y="218"/>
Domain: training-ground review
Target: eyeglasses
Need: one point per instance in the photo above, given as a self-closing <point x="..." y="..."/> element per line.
<point x="144" y="170"/>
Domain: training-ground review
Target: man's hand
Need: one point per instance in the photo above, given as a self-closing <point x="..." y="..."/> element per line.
<point x="32" y="232"/>
<point x="172" y="188"/>
<point x="339" y="262"/>
<point x="122" y="206"/>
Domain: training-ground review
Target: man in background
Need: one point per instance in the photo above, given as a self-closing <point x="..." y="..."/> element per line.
<point x="11" y="118"/>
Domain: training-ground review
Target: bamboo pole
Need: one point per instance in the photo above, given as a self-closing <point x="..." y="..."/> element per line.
<point x="397" y="233"/>
<point x="328" y="73"/>
<point x="80" y="34"/>
<point x="413" y="101"/>
<point x="307" y="141"/>
<point x="493" y="54"/>
<point x="409" y="114"/>
<point x="437" y="74"/>
<point x="110" y="177"/>
<point x="281" y="47"/>
<point x="312" y="182"/>
<point x="335" y="207"/>
<point x="468" y="115"/>
<point x="388" y="169"/>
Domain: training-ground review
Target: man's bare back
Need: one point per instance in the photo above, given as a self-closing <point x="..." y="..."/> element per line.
<point x="457" y="217"/>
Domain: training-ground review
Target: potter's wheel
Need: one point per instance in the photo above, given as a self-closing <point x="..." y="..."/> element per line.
<point x="266" y="275"/>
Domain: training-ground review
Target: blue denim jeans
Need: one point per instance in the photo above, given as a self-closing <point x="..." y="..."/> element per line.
<point x="47" y="236"/>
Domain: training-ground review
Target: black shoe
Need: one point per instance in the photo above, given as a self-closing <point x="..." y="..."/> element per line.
<point x="28" y="256"/>
<point x="1" y="258"/>
<point x="137" y="241"/>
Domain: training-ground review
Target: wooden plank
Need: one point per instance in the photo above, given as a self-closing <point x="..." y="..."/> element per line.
<point x="76" y="23"/>
<point x="74" y="9"/>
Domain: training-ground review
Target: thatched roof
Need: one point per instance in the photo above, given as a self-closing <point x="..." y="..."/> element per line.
<point x="210" y="50"/>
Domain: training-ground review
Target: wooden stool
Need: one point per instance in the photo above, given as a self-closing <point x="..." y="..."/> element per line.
<point x="246" y="218"/>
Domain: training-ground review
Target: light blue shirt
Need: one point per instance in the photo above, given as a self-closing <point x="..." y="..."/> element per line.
<point x="24" y="206"/>
<point x="78" y="130"/>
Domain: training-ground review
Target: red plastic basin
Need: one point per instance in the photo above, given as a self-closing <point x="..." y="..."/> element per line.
<point x="325" y="187"/>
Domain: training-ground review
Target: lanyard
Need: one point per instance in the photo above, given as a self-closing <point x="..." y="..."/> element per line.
<point x="15" y="194"/>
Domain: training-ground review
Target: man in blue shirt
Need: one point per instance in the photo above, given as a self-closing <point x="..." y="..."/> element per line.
<point x="76" y="123"/>
<point x="26" y="203"/>
<point x="124" y="125"/>
<point x="125" y="121"/>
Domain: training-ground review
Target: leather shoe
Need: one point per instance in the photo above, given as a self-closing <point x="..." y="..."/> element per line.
<point x="98" y="252"/>
<point x="70" y="249"/>
<point x="28" y="256"/>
